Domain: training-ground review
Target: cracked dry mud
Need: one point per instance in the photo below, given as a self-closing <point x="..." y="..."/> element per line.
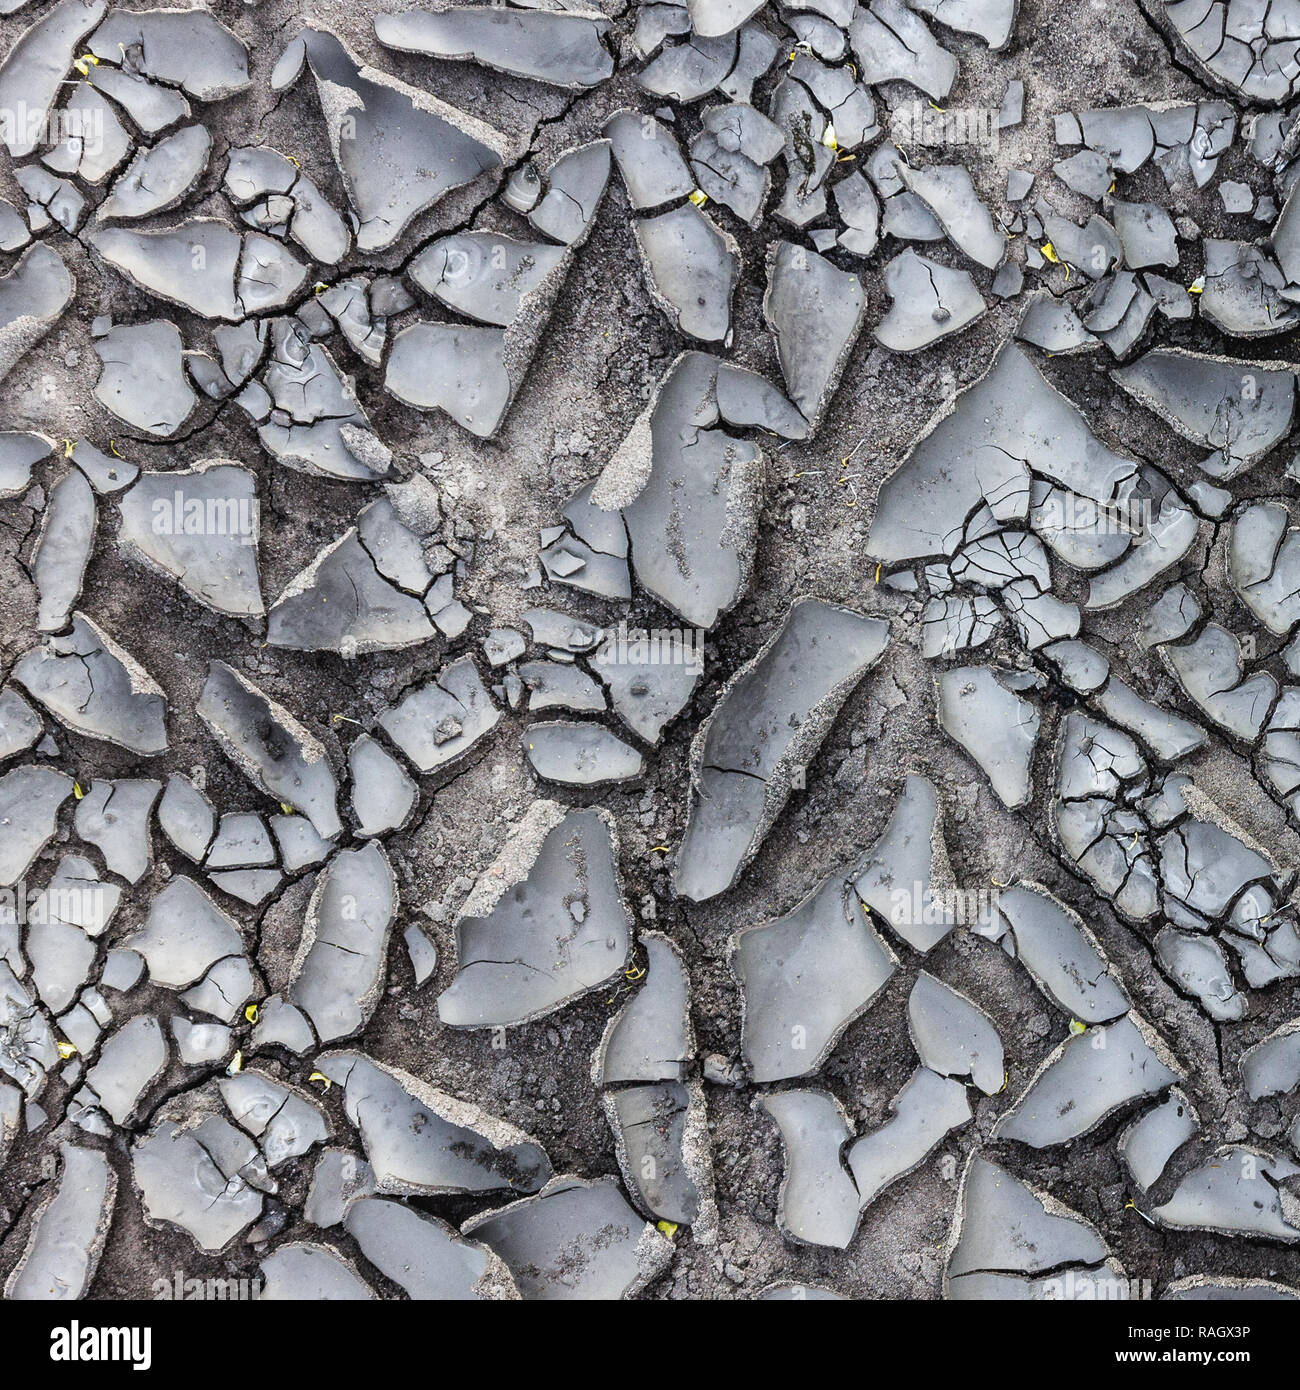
<point x="650" y="651"/>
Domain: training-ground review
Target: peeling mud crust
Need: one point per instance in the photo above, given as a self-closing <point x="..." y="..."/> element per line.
<point x="649" y="651"/>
